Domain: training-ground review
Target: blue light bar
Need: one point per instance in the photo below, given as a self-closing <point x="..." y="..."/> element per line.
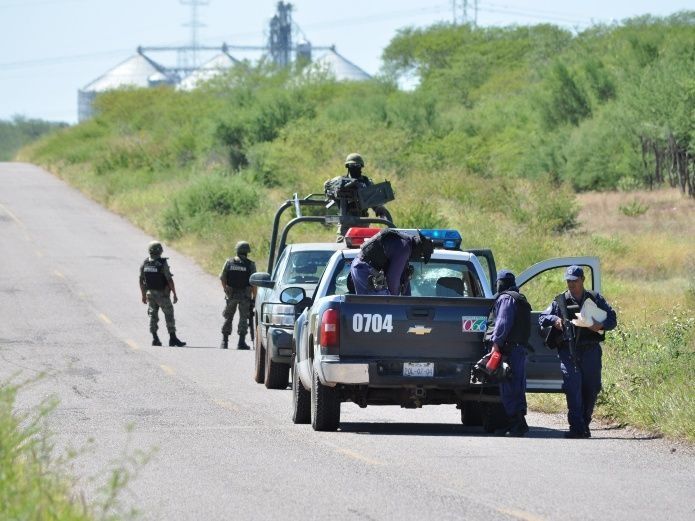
<point x="442" y="238"/>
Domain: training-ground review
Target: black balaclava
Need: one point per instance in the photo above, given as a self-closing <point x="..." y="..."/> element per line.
<point x="505" y="285"/>
<point x="355" y="171"/>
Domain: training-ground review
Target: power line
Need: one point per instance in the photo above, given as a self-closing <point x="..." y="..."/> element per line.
<point x="60" y="59"/>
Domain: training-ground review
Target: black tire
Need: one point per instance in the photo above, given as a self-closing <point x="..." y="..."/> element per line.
<point x="277" y="376"/>
<point x="301" y="398"/>
<point x="325" y="406"/>
<point x="259" y="367"/>
<point x="494" y="417"/>
<point x="471" y="414"/>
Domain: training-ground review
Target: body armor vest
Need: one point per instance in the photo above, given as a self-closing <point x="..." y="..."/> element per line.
<point x="521" y="329"/>
<point x="584" y="335"/>
<point x="238" y="273"/>
<point x="153" y="272"/>
<point x="373" y="252"/>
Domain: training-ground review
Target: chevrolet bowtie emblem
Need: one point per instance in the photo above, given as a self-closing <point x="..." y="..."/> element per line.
<point x="419" y="330"/>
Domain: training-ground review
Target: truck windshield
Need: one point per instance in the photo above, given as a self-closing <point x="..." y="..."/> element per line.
<point x="306" y="267"/>
<point x="438" y="278"/>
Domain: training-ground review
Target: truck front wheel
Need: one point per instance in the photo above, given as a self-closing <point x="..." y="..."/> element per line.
<point x="277" y="375"/>
<point x="325" y="406"/>
<point x="259" y="366"/>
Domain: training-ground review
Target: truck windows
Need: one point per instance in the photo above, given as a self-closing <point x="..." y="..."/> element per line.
<point x="438" y="278"/>
<point x="306" y="267"/>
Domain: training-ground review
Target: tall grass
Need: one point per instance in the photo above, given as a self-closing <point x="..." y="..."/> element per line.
<point x="36" y="481"/>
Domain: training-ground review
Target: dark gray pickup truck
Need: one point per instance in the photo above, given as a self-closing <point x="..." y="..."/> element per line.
<point x="407" y="351"/>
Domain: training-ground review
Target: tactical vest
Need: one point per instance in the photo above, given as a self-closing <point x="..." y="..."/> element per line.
<point x="238" y="273"/>
<point x="584" y="335"/>
<point x="153" y="271"/>
<point x="373" y="252"/>
<point x="521" y="329"/>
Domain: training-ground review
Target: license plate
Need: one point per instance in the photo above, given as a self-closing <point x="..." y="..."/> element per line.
<point x="418" y="369"/>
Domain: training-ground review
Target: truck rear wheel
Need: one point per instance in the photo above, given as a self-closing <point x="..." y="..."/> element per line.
<point x="301" y="398"/>
<point x="471" y="414"/>
<point x="325" y="406"/>
<point x="277" y="375"/>
<point x="259" y="367"/>
<point x="494" y="417"/>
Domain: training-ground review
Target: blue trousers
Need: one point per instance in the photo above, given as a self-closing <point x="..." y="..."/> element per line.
<point x="513" y="392"/>
<point x="581" y="383"/>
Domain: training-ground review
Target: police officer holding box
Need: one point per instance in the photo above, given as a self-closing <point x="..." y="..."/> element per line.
<point x="238" y="293"/>
<point x="580" y="351"/>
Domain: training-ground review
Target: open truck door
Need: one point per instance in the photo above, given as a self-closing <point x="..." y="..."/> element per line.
<point x="541" y="283"/>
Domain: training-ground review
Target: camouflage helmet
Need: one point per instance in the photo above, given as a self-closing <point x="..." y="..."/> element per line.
<point x="155" y="248"/>
<point x="243" y="248"/>
<point x="354" y="159"/>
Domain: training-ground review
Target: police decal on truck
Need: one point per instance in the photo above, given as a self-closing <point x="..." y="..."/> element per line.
<point x="473" y="324"/>
<point x="372" y="323"/>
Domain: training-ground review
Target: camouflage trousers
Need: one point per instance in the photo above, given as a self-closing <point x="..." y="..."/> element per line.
<point x="157" y="299"/>
<point x="244" y="304"/>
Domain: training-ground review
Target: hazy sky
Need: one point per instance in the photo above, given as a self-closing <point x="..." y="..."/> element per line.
<point x="51" y="48"/>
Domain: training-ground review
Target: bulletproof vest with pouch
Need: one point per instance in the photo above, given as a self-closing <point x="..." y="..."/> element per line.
<point x="238" y="273"/>
<point x="584" y="334"/>
<point x="521" y="329"/>
<point x="373" y="252"/>
<point x="153" y="271"/>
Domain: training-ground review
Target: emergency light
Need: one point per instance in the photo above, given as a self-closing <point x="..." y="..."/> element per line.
<point x="442" y="238"/>
<point x="356" y="236"/>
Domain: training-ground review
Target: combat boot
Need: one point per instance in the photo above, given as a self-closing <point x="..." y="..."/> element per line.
<point x="242" y="343"/>
<point x="175" y="342"/>
<point x="518" y="427"/>
<point x="225" y="342"/>
<point x="155" y="340"/>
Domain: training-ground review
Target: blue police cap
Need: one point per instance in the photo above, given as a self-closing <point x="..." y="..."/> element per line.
<point x="506" y="275"/>
<point x="574" y="272"/>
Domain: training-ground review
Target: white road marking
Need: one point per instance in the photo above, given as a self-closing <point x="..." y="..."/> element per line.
<point x="520" y="514"/>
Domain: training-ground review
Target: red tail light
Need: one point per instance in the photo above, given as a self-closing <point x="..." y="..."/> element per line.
<point x="330" y="329"/>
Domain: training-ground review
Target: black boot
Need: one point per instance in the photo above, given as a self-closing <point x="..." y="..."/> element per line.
<point x="242" y="343"/>
<point x="225" y="342"/>
<point x="174" y="341"/>
<point x="155" y="340"/>
<point x="519" y="427"/>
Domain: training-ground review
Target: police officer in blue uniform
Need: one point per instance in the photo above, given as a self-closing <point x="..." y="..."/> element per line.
<point x="381" y="268"/>
<point x="580" y="353"/>
<point x="510" y="323"/>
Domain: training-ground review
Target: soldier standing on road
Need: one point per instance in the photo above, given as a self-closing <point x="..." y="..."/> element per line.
<point x="580" y="353"/>
<point x="238" y="293"/>
<point x="510" y="321"/>
<point x="156" y="283"/>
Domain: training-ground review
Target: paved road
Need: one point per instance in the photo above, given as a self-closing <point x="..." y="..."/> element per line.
<point x="225" y="446"/>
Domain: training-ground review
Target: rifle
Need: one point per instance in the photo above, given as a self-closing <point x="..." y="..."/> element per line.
<point x="252" y="329"/>
<point x="568" y="331"/>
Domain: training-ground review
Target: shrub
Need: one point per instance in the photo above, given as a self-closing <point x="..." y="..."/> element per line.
<point x="634" y="208"/>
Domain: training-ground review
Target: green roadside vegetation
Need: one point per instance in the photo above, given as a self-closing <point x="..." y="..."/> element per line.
<point x="21" y="131"/>
<point x="507" y="137"/>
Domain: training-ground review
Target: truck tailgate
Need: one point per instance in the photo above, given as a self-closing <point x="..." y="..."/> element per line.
<point x="413" y="327"/>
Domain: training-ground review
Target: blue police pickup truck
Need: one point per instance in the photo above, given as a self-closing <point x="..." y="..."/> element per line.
<point x="408" y="350"/>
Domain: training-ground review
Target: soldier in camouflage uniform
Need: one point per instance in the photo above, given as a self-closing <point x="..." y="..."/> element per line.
<point x="156" y="283"/>
<point x="238" y="293"/>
